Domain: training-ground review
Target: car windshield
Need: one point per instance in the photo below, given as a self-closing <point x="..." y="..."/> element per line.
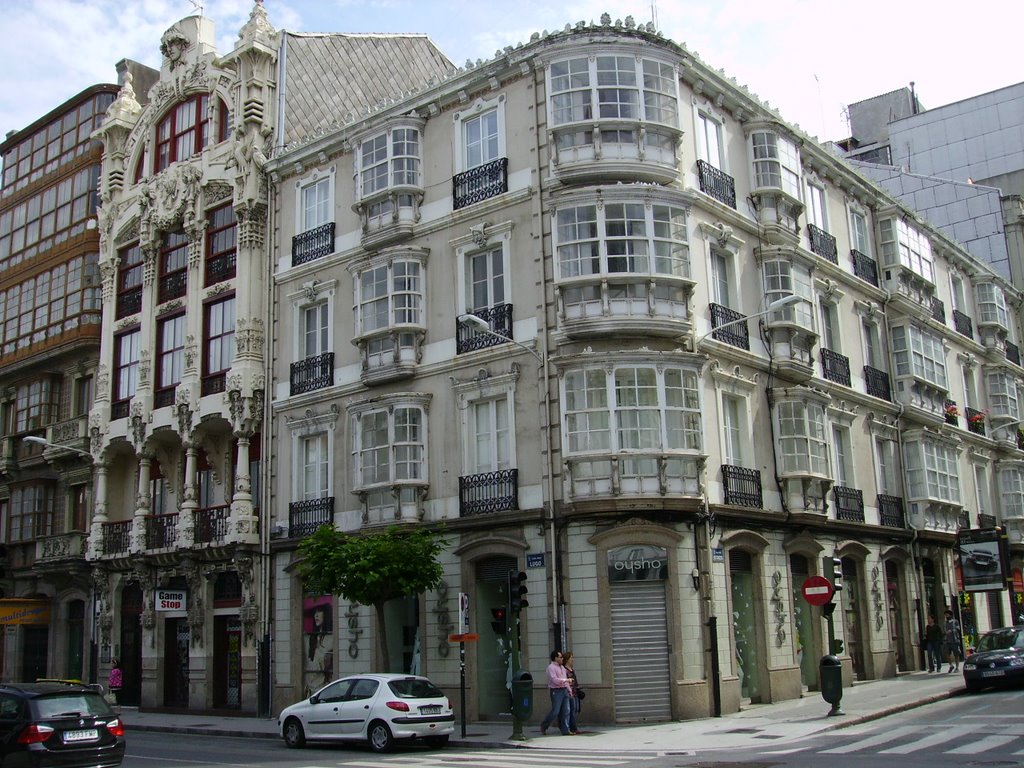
<point x="1001" y="639"/>
<point x="415" y="688"/>
<point x="72" y="704"/>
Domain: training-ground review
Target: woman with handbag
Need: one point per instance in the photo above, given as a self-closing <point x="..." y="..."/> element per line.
<point x="578" y="693"/>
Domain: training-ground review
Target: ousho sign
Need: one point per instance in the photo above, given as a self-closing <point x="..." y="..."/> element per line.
<point x="638" y="562"/>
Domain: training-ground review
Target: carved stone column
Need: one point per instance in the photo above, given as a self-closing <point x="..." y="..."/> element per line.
<point x="99" y="514"/>
<point x="187" y="516"/>
<point x="141" y="504"/>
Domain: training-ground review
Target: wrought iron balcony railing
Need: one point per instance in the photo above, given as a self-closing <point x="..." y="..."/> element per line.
<point x="499" y="318"/>
<point x="964" y="519"/>
<point x="822" y="243"/>
<point x="489" y="492"/>
<point x="835" y="367"/>
<point x="849" y="503"/>
<point x="742" y="486"/>
<point x="890" y="511"/>
<point x="312" y="373"/>
<point x="212" y="524"/>
<point x="221" y="268"/>
<point x="161" y="531"/>
<point x="975" y="420"/>
<point x="727" y="327"/>
<point x="313" y="244"/>
<point x="120" y="409"/>
<point x="865" y="267"/>
<point x="117" y="537"/>
<point x="877" y="383"/>
<point x="717" y="184"/>
<point x="1012" y="353"/>
<point x="214" y="383"/>
<point x="938" y="310"/>
<point x="129" y="303"/>
<point x="986" y="521"/>
<point x="480" y="183"/>
<point x="963" y="324"/>
<point x="304" y="517"/>
<point x="164" y="397"/>
<point x="172" y="286"/>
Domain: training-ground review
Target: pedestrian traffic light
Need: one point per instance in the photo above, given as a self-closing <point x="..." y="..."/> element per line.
<point x="517" y="591"/>
<point x="832" y="568"/>
<point x="499" y="621"/>
<point x="837" y="646"/>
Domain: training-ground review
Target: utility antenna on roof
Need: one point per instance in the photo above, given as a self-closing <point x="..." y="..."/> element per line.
<point x="197" y="4"/>
<point x="654" y="13"/>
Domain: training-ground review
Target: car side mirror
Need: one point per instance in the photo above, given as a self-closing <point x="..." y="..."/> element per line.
<point x="314" y="699"/>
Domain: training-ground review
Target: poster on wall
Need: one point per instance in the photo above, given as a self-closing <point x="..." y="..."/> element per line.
<point x="981" y="559"/>
<point x="318" y="615"/>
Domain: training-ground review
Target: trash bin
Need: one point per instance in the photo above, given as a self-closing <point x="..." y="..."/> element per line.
<point x="522" y="695"/>
<point x="831" y="673"/>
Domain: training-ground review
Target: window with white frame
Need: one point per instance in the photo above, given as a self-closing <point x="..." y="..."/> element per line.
<point x="885" y="465"/>
<point x="314" y="467"/>
<point x="489" y="435"/>
<point x="872" y="345"/>
<point x="992" y="305"/>
<point x="316" y="204"/>
<point x="932" y="470"/>
<point x="802" y="440"/>
<point x="957" y="292"/>
<point x="389" y="306"/>
<point x="482" y="139"/>
<point x="390" y="159"/>
<point x="389" y="451"/>
<point x="830" y="331"/>
<point x="1011" y="490"/>
<point x="919" y="353"/>
<point x="723" y="283"/>
<point x="842" y="455"/>
<point x="1002" y="393"/>
<point x="860" y="234"/>
<point x="783" y="277"/>
<point x="970" y="386"/>
<point x="315" y="329"/>
<point x="816" y="206"/>
<point x="981" y="488"/>
<point x="776" y="163"/>
<point x="711" y="141"/>
<point x="735" y="433"/>
<point x="485" y="279"/>
<point x="632" y="409"/>
<point x="906" y="246"/>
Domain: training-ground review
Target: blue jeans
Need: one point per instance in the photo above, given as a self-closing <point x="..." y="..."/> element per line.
<point x="934" y="656"/>
<point x="559" y="710"/>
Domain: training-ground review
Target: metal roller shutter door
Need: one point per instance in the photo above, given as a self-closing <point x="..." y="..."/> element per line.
<point x="640" y="651"/>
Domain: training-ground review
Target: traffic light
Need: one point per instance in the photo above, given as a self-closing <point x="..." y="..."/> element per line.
<point x="517" y="591"/>
<point x="499" y="621"/>
<point x="837" y="646"/>
<point x="832" y="569"/>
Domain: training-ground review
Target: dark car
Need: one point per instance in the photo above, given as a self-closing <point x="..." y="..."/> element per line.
<point x="997" y="660"/>
<point x="56" y="724"/>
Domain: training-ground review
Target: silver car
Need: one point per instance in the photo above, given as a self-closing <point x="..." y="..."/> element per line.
<point x="378" y="709"/>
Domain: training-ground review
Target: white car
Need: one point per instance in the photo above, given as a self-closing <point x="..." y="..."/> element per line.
<point x="379" y="709"/>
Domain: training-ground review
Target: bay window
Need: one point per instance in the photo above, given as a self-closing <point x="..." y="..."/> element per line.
<point x="1011" y="490"/>
<point x="919" y="353"/>
<point x="905" y="246"/>
<point x="389" y="311"/>
<point x="932" y="470"/>
<point x="389" y="185"/>
<point x="390" y="454"/>
<point x="32" y="512"/>
<point x="776" y="163"/>
<point x="1002" y="394"/>
<point x="783" y="277"/>
<point x="36" y="404"/>
<point x="992" y="305"/>
<point x="802" y="441"/>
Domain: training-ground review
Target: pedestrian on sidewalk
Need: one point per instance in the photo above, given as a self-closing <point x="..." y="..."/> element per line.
<point x="951" y="642"/>
<point x="559" y="688"/>
<point x="933" y="645"/>
<point x="114" y="681"/>
<point x="577" y="692"/>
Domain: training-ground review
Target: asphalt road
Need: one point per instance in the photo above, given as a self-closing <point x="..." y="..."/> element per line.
<point x="982" y="730"/>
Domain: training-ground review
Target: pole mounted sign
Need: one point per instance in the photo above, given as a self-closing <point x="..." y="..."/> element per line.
<point x="817" y="590"/>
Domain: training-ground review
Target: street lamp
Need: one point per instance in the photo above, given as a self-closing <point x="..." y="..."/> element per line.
<point x="785" y="301"/>
<point x="479" y="324"/>
<point x="47" y="444"/>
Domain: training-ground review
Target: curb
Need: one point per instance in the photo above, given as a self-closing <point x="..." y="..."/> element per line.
<point x="896" y="709"/>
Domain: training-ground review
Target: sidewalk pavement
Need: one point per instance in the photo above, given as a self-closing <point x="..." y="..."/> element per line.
<point x="757" y="724"/>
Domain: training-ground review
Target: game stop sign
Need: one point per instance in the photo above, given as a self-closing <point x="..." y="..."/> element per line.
<point x="171" y="600"/>
<point x="817" y="590"/>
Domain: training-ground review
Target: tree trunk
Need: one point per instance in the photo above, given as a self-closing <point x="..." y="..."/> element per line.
<point x="381" y="635"/>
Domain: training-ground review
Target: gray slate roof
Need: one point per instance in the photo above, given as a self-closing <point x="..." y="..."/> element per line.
<point x="330" y="75"/>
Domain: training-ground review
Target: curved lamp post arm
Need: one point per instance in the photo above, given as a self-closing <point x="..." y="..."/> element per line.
<point x="481" y="325"/>
<point x="785" y="301"/>
<point x="47" y="444"/>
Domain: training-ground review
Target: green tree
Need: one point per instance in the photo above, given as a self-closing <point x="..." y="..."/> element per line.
<point x="372" y="569"/>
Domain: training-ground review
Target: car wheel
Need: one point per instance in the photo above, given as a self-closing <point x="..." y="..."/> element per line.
<point x="437" y="742"/>
<point x="379" y="736"/>
<point x="294" y="736"/>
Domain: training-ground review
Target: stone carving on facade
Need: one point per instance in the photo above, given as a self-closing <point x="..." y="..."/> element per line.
<point x="185" y="413"/>
<point x="138" y="426"/>
<point x="249" y="338"/>
<point x="196" y="611"/>
<point x="215" y="191"/>
<point x="108" y="276"/>
<point x="145" y="365"/>
<point x="105" y="619"/>
<point x="191" y="351"/>
<point x="252" y="223"/>
<point x="248" y="159"/>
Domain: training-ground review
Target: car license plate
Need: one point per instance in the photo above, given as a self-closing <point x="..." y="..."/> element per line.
<point x="993" y="673"/>
<point x="87" y="735"/>
<point x="432" y="709"/>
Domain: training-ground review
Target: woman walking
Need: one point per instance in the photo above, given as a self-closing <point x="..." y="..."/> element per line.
<point x="577" y="692"/>
<point x="951" y="642"/>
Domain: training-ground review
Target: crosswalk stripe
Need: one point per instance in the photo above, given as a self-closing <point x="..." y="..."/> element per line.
<point x="953" y="732"/>
<point x="982" y="745"/>
<point x="874" y="741"/>
<point x="525" y="758"/>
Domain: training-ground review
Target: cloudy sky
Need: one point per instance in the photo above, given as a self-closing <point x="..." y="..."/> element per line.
<point x="808" y="58"/>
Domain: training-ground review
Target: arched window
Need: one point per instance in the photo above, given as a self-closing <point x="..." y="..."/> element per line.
<point x="185" y="130"/>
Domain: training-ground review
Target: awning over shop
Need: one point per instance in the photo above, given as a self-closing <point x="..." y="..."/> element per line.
<point x="15" y="610"/>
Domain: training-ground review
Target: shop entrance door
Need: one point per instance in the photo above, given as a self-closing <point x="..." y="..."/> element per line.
<point x="176" y="643"/>
<point x="227" y="662"/>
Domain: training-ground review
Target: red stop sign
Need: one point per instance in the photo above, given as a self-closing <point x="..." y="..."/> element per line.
<point x="817" y="590"/>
